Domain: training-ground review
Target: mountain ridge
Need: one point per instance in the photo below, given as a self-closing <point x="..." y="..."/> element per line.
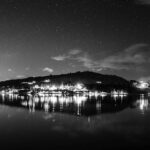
<point x="89" y="74"/>
<point x="91" y="80"/>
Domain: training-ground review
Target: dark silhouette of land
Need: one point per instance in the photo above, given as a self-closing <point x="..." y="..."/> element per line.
<point x="91" y="80"/>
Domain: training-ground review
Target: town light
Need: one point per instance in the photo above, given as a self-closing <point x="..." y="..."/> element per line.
<point x="142" y="85"/>
<point x="47" y="81"/>
<point x="79" y="86"/>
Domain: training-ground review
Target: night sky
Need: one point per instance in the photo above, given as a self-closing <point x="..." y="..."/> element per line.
<point x="42" y="37"/>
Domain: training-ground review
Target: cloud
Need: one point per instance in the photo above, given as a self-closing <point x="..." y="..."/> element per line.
<point x="87" y="61"/>
<point x="47" y="69"/>
<point x="74" y="52"/>
<point x="143" y="2"/>
<point x="69" y="55"/>
<point x="20" y="76"/>
<point x="60" y="58"/>
<point x="10" y="70"/>
<point x="74" y="55"/>
<point x="27" y="68"/>
<point x="129" y="58"/>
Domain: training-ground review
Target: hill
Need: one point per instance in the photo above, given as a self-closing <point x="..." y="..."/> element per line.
<point x="92" y="80"/>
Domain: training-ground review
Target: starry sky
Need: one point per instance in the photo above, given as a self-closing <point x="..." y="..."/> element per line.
<point x="42" y="37"/>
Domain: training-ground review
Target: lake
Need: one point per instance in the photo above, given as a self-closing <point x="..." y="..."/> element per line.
<point x="75" y="122"/>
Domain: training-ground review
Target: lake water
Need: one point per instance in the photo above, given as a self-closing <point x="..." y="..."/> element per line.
<point x="75" y="122"/>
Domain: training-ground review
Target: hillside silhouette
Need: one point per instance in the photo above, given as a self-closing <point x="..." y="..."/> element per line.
<point x="92" y="80"/>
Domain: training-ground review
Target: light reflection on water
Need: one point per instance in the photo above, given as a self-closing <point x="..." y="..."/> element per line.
<point x="142" y="103"/>
<point x="78" y="120"/>
<point x="77" y="105"/>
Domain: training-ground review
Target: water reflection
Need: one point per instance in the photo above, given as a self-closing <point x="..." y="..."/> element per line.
<point x="142" y="103"/>
<point x="76" y="105"/>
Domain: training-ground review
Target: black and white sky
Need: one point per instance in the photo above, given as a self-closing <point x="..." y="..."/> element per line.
<point x="41" y="37"/>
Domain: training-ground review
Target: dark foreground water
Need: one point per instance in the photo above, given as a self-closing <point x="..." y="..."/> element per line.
<point x="75" y="122"/>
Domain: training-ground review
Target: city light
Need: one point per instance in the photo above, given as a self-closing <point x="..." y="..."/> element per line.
<point x="118" y="93"/>
<point x="47" y="80"/>
<point x="49" y="89"/>
<point x="142" y="85"/>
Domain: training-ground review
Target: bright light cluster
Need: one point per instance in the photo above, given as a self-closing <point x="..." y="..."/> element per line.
<point x="118" y="93"/>
<point x="30" y="83"/>
<point x="142" y="85"/>
<point x="47" y="81"/>
<point x="50" y="89"/>
<point x="9" y="91"/>
<point x="53" y="87"/>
